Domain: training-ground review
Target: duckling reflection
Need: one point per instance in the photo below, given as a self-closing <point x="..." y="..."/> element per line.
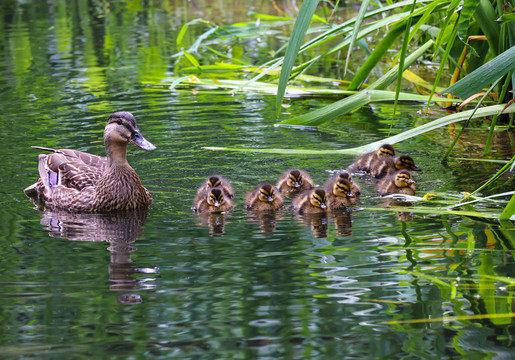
<point x="267" y="220"/>
<point x="317" y="222"/>
<point x="215" y="221"/>
<point x="342" y="222"/>
<point x="119" y="229"/>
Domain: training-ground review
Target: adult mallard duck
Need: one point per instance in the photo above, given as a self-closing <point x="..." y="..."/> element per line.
<point x="389" y="165"/>
<point x="398" y="183"/>
<point x="212" y="200"/>
<point x="311" y="201"/>
<point x="264" y="197"/>
<point x="294" y="180"/>
<point x="75" y="181"/>
<point x="364" y="162"/>
<point x="217" y="181"/>
<point x="339" y="193"/>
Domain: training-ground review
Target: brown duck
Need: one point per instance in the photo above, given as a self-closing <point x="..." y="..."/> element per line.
<point x="264" y="197"/>
<point x="389" y="165"/>
<point x="217" y="181"/>
<point x="75" y="181"/>
<point x="365" y="161"/>
<point x="339" y="193"/>
<point x="294" y="180"/>
<point x="398" y="183"/>
<point x="311" y="201"/>
<point x="213" y="200"/>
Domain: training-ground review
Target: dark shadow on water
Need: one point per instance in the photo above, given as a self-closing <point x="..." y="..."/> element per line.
<point x="120" y="230"/>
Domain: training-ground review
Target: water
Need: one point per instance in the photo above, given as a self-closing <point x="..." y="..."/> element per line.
<point x="171" y="284"/>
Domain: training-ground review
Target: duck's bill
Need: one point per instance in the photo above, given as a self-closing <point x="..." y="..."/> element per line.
<point x="416" y="168"/>
<point x="138" y="140"/>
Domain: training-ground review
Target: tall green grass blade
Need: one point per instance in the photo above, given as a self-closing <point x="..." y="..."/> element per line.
<point x="433" y="125"/>
<point x="402" y="58"/>
<point x="509" y="210"/>
<point x="359" y="19"/>
<point x="484" y="75"/>
<point x="504" y="90"/>
<point x="361" y="98"/>
<point x="486" y="18"/>
<point x="306" y="12"/>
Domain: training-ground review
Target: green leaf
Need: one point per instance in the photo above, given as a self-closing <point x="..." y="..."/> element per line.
<point x="359" y="19"/>
<point x="509" y="210"/>
<point x="466" y="14"/>
<point x="484" y="75"/>
<point x="306" y="12"/>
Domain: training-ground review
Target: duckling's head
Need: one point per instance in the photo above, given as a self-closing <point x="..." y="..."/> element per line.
<point x="342" y="188"/>
<point x="215" y="197"/>
<point x="403" y="178"/>
<point x="345" y="175"/>
<point x="318" y="198"/>
<point x="214" y="181"/>
<point x="295" y="179"/>
<point x="386" y="150"/>
<point x="121" y="129"/>
<point x="266" y="193"/>
<point x="405" y="162"/>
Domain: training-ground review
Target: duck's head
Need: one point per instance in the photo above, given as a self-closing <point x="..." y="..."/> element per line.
<point x="342" y="188"/>
<point x="403" y="178"/>
<point x="215" y="197"/>
<point x="121" y="129"/>
<point x="345" y="175"/>
<point x="405" y="162"/>
<point x="295" y="179"/>
<point x="214" y="181"/>
<point x="266" y="193"/>
<point x="386" y="150"/>
<point x="318" y="198"/>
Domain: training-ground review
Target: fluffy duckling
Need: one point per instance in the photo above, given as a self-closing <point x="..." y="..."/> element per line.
<point x="217" y="181"/>
<point x="264" y="197"/>
<point x="339" y="193"/>
<point x="213" y="200"/>
<point x="365" y="161"/>
<point x="389" y="165"/>
<point x="312" y="201"/>
<point x="295" y="180"/>
<point x="355" y="188"/>
<point x="398" y="183"/>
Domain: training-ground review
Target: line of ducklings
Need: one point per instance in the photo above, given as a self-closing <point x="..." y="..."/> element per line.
<point x="340" y="191"/>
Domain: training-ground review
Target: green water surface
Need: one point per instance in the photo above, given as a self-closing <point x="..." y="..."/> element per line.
<point x="167" y="283"/>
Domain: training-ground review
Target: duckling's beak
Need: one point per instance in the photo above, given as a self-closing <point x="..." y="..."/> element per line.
<point x="323" y="205"/>
<point x="138" y="140"/>
<point x="349" y="194"/>
<point x="270" y="199"/>
<point x="217" y="203"/>
<point x="411" y="181"/>
<point x="297" y="185"/>
<point x="414" y="168"/>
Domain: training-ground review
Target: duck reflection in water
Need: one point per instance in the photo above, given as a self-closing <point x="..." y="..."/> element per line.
<point x="342" y="221"/>
<point x="267" y="220"/>
<point x="120" y="230"/>
<point x="215" y="221"/>
<point x="318" y="222"/>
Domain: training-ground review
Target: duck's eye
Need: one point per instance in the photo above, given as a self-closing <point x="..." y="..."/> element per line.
<point x="119" y="121"/>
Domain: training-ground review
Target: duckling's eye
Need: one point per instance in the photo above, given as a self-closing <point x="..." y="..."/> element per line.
<point x="119" y="121"/>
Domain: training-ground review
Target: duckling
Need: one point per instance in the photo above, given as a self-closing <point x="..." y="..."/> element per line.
<point x="312" y="201"/>
<point x="398" y="183"/>
<point x="295" y="180"/>
<point x="264" y="197"/>
<point x="213" y="201"/>
<point x="339" y="193"/>
<point x="389" y="165"/>
<point x="364" y="162"/>
<point x="355" y="188"/>
<point x="217" y="181"/>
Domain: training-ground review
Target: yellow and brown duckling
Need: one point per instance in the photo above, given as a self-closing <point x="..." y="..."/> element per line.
<point x="311" y="201"/>
<point x="75" y="181"/>
<point x="264" y="197"/>
<point x="355" y="188"/>
<point x="366" y="161"/>
<point x="217" y="181"/>
<point x="398" y="183"/>
<point x="295" y="180"/>
<point x="389" y="165"/>
<point x="213" y="200"/>
<point x="339" y="193"/>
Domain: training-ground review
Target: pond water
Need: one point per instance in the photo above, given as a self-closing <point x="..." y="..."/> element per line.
<point x="167" y="283"/>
